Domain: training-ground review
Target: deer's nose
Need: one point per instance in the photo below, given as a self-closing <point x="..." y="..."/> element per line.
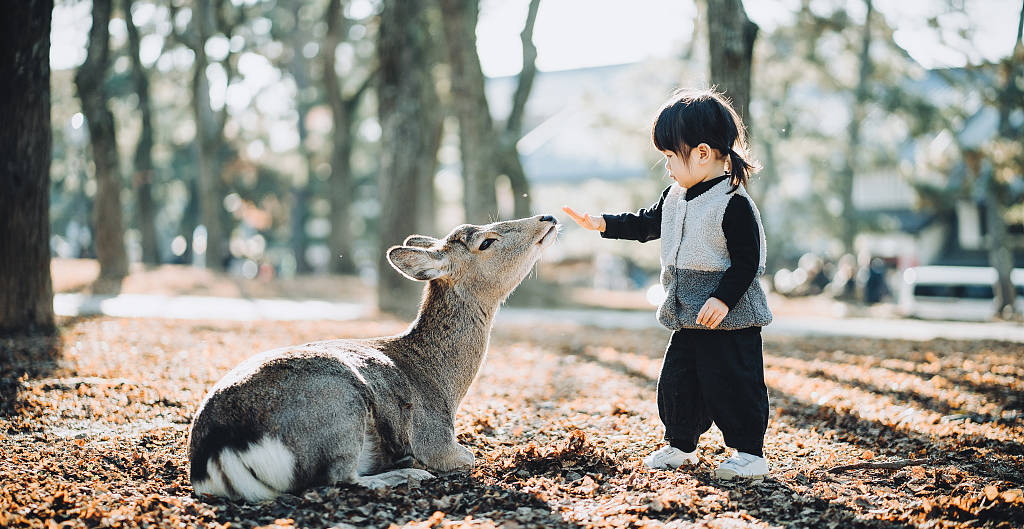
<point x="548" y="218"/>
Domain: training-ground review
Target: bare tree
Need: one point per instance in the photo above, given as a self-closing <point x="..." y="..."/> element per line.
<point x="343" y="110"/>
<point x="145" y="210"/>
<point x="298" y="66"/>
<point x="477" y="138"/>
<point x="853" y="141"/>
<point x="208" y="18"/>
<point x="407" y="105"/>
<point x="26" y="292"/>
<point x="507" y="156"/>
<point x="90" y="79"/>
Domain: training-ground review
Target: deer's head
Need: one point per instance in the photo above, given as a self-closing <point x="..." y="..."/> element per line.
<point x="487" y="262"/>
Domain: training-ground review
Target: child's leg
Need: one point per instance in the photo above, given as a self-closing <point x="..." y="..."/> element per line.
<point x="730" y="367"/>
<point x="680" y="398"/>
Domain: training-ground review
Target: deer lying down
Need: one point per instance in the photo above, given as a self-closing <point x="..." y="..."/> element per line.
<point x="364" y="411"/>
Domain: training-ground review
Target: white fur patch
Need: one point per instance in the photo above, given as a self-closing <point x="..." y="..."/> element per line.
<point x="369" y="456"/>
<point x="262" y="472"/>
<point x="271" y="461"/>
<point x="214" y="485"/>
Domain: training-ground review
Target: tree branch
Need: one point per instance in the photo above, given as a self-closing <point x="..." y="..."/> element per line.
<point x="514" y="125"/>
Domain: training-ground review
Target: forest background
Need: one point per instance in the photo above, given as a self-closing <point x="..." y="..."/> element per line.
<point x="253" y="136"/>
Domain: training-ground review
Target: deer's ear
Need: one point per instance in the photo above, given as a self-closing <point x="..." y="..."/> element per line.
<point x="417" y="263"/>
<point x="420" y="241"/>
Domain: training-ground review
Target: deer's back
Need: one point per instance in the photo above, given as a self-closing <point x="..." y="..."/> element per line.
<point x="293" y="395"/>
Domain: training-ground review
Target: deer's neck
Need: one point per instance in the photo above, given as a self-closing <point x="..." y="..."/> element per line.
<point x="448" y="340"/>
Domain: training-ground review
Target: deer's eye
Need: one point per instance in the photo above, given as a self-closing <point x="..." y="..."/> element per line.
<point x="487" y="244"/>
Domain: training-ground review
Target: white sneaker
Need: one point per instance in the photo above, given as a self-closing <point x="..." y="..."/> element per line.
<point x="670" y="457"/>
<point x="743" y="465"/>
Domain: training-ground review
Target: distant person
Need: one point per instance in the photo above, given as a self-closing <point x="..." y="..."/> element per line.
<point x="712" y="252"/>
<point x="875" y="289"/>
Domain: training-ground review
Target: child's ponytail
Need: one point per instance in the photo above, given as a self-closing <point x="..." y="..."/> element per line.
<point x="740" y="166"/>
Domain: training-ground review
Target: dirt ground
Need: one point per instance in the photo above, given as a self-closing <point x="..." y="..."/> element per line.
<point x="864" y="433"/>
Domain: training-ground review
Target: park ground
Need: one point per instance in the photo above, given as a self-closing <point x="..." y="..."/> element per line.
<point x="864" y="432"/>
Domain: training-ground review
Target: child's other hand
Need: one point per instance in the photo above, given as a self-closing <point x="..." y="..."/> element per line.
<point x="588" y="221"/>
<point x="712" y="313"/>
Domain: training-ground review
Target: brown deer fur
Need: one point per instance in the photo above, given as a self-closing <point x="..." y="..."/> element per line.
<point x="365" y="411"/>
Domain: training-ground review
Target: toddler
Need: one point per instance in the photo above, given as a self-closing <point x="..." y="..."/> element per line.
<point x="712" y="252"/>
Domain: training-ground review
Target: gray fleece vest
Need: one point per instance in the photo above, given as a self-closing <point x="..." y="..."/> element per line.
<point x="694" y="257"/>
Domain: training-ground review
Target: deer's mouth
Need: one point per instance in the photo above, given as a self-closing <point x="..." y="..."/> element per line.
<point x="549" y="237"/>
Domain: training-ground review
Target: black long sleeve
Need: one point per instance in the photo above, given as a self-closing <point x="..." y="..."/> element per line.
<point x="742" y="239"/>
<point x="643" y="226"/>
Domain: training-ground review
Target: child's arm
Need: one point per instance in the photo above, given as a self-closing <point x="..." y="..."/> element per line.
<point x="742" y="239"/>
<point x="643" y="226"/>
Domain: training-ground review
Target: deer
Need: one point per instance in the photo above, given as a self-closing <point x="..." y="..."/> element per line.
<point x="368" y="412"/>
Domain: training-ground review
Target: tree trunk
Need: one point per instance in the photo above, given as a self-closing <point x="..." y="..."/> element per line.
<point x="426" y="192"/>
<point x="407" y="106"/>
<point x="851" y="224"/>
<point x="476" y="128"/>
<point x="731" y="35"/>
<point x="109" y="229"/>
<point x="339" y="186"/>
<point x="26" y="293"/>
<point x="301" y="192"/>
<point x="211" y="187"/>
<point x="298" y="206"/>
<point x="508" y="159"/>
<point x="1000" y="256"/>
<point x="145" y="210"/>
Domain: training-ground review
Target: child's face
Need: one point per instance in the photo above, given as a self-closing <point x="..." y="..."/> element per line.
<point x="680" y="169"/>
<point x="702" y="163"/>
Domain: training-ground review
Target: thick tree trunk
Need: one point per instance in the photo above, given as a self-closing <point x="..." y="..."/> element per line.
<point x="145" y="210"/>
<point x="109" y="228"/>
<point x="731" y="35"/>
<point x="26" y="293"/>
<point x="508" y="159"/>
<point x="476" y="129"/>
<point x="339" y="185"/>
<point x="407" y="106"/>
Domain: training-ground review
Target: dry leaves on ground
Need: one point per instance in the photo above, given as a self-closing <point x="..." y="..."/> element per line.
<point x="558" y="419"/>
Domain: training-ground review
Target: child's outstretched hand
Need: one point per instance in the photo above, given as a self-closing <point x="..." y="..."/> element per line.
<point x="712" y="313"/>
<point x="588" y="221"/>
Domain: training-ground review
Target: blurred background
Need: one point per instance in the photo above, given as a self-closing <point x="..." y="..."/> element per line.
<point x="274" y="140"/>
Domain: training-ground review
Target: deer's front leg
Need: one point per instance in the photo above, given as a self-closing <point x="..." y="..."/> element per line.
<point x="434" y="445"/>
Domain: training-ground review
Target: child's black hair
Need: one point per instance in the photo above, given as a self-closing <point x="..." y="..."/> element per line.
<point x="692" y="117"/>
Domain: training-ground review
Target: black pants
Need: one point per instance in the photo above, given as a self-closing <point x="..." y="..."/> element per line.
<point x="711" y="376"/>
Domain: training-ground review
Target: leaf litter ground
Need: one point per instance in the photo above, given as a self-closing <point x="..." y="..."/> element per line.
<point x="559" y="419"/>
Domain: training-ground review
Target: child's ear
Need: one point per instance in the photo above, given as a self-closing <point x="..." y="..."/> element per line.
<point x="704" y="153"/>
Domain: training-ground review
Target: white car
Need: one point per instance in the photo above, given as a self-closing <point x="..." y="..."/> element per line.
<point x="953" y="292"/>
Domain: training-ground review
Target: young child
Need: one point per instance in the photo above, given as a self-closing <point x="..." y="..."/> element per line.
<point x="712" y="252"/>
